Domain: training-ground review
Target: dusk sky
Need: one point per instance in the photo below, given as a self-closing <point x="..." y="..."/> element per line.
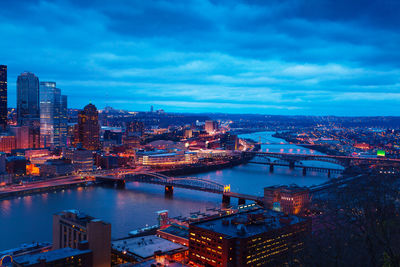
<point x="309" y="57"/>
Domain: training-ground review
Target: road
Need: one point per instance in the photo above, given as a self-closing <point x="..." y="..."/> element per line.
<point x="42" y="184"/>
<point x="64" y="180"/>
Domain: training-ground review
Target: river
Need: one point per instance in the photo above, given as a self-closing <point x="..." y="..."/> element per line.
<point x="27" y="219"/>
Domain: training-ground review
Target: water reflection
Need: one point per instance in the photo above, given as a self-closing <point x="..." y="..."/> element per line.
<point x="5" y="207"/>
<point x="28" y="201"/>
<point x="137" y="204"/>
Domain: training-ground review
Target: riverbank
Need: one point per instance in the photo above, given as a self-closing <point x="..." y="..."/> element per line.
<point x="41" y="189"/>
<point x="319" y="148"/>
<point x="198" y="169"/>
<point x="136" y="205"/>
<point x="59" y="184"/>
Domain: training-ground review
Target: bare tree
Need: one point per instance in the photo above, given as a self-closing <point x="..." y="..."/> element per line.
<point x="359" y="225"/>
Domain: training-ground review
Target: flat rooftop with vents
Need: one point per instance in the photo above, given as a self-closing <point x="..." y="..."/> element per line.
<point x="145" y="246"/>
<point x="250" y="223"/>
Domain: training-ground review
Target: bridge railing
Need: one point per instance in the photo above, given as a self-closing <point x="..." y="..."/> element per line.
<point x="187" y="182"/>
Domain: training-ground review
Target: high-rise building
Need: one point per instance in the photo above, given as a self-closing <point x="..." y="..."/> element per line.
<point x="72" y="227"/>
<point x="27" y="98"/>
<point x="53" y="116"/>
<point x="211" y="126"/>
<point x="253" y="238"/>
<point x="26" y="136"/>
<point x="229" y="141"/>
<point x="3" y="96"/>
<point x="64" y="120"/>
<point x="88" y="128"/>
<point x="7" y="143"/>
<point x="21" y="134"/>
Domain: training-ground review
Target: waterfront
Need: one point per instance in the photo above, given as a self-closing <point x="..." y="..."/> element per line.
<point x="29" y="218"/>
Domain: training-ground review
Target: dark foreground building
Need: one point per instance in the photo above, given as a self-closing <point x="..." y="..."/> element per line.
<point x="255" y="238"/>
<point x="72" y="229"/>
<point x="67" y="257"/>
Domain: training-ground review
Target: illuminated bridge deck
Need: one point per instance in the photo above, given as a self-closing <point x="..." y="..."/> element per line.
<point x="192" y="183"/>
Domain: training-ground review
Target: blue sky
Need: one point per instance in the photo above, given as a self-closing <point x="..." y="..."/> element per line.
<point x="311" y="57"/>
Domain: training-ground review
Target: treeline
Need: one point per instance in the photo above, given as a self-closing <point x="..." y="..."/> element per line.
<point x="358" y="225"/>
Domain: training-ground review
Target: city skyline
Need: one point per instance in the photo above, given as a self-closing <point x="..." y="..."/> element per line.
<point x="285" y="58"/>
<point x="199" y="133"/>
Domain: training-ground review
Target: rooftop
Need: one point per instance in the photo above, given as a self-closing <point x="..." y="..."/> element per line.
<point x="292" y="188"/>
<point x="145" y="246"/>
<point x="77" y="217"/>
<point x="250" y="223"/>
<point x="176" y="230"/>
<point x="57" y="161"/>
<point x="24" y="248"/>
<point x="148" y="263"/>
<point x="50" y="256"/>
<point x="15" y="158"/>
<point x="163" y="155"/>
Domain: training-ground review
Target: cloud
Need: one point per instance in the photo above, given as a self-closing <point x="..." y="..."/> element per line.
<point x="278" y="57"/>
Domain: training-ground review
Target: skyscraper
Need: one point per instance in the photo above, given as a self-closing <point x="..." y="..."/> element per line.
<point x="3" y="96"/>
<point x="53" y="116"/>
<point x="88" y="129"/>
<point x="211" y="126"/>
<point x="63" y="120"/>
<point x="27" y="99"/>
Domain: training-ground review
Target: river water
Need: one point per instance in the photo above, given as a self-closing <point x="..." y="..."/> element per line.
<point x="27" y="219"/>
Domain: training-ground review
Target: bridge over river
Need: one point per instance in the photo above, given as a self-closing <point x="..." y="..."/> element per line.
<point x="345" y="161"/>
<point x="295" y="160"/>
<point x="192" y="183"/>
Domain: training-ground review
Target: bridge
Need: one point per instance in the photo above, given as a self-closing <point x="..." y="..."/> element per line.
<point x="294" y="160"/>
<point x="282" y="143"/>
<point x="341" y="160"/>
<point x="267" y="141"/>
<point x="192" y="183"/>
<point x="305" y="169"/>
<point x="296" y="157"/>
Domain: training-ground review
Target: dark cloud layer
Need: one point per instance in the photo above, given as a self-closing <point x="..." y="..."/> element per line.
<point x="280" y="57"/>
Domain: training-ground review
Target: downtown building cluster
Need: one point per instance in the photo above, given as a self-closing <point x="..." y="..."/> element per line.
<point x="41" y="114"/>
<point x="37" y="137"/>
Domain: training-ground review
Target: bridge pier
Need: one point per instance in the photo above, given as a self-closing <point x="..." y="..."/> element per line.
<point x="271" y="168"/>
<point x="329" y="173"/>
<point x="226" y="200"/>
<point x="291" y="165"/>
<point x="304" y="171"/>
<point x="120" y="184"/>
<point x="169" y="190"/>
<point x="241" y="201"/>
<point x="110" y="184"/>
